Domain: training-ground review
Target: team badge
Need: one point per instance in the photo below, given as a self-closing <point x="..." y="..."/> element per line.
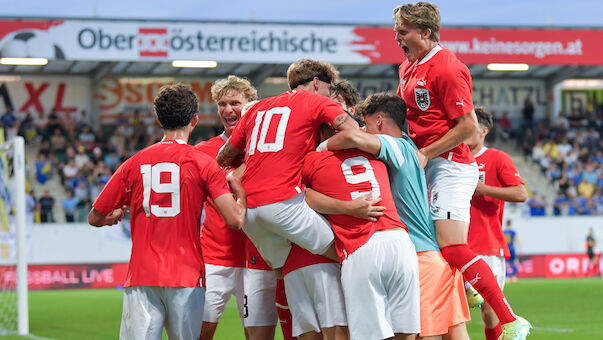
<point x="422" y="98"/>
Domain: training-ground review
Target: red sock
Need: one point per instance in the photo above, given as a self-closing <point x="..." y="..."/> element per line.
<point x="282" y="309"/>
<point x="477" y="272"/>
<point x="493" y="333"/>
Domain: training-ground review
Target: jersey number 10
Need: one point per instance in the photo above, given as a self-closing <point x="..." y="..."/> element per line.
<point x="151" y="180"/>
<point x="267" y="116"/>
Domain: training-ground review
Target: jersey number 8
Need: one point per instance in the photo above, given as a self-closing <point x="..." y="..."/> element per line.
<point x="151" y="176"/>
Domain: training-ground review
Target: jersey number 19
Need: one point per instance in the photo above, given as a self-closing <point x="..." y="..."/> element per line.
<point x="151" y="180"/>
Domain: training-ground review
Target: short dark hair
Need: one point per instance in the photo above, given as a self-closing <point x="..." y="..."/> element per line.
<point x="347" y="91"/>
<point x="389" y="104"/>
<point x="484" y="118"/>
<point x="175" y="106"/>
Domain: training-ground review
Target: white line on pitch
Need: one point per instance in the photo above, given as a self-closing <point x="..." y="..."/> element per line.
<point x="555" y="330"/>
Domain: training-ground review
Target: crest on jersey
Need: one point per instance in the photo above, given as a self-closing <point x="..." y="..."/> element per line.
<point x="422" y="98"/>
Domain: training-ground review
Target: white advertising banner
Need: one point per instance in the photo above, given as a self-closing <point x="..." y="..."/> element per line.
<point x="67" y="96"/>
<point x="143" y="40"/>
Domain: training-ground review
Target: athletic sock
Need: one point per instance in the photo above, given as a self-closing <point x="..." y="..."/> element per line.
<point x="282" y="309"/>
<point x="493" y="333"/>
<point x="477" y="272"/>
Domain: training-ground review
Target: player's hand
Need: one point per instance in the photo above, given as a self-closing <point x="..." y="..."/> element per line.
<point x="365" y="208"/>
<point x="479" y="189"/>
<point x="115" y="216"/>
<point x="422" y="159"/>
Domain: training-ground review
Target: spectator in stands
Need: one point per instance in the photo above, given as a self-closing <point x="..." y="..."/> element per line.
<point x="528" y="114"/>
<point x="69" y="205"/>
<point x="527" y="143"/>
<point x="9" y="123"/>
<point x="588" y="208"/>
<point x="87" y="138"/>
<point x="43" y="168"/>
<point x="27" y="128"/>
<point x="46" y="206"/>
<point x="68" y="171"/>
<point x="52" y="124"/>
<point x="58" y="143"/>
<point x="81" y="158"/>
<point x="585" y="188"/>
<point x="558" y="204"/>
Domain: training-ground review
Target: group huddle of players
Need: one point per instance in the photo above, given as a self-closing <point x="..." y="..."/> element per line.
<point x="344" y="232"/>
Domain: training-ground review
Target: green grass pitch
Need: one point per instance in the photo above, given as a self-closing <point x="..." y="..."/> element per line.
<point x="558" y="309"/>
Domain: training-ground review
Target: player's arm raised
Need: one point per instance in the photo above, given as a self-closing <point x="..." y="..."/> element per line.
<point x="354" y="138"/>
<point x="362" y="207"/>
<point x="228" y="154"/>
<point x="233" y="207"/>
<point x="516" y="193"/>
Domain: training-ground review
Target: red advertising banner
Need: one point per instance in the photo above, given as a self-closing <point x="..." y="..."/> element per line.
<point x="553" y="265"/>
<point x="537" y="46"/>
<point x="68" y="276"/>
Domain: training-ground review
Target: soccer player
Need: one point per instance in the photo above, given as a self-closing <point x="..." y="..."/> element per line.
<point x="164" y="186"/>
<point x="499" y="181"/>
<point x="346" y="95"/>
<point x="511" y="238"/>
<point x="593" y="263"/>
<point x="443" y="306"/>
<point x="437" y="90"/>
<point x="314" y="296"/>
<point x="379" y="269"/>
<point x="276" y="134"/>
<point x="223" y="248"/>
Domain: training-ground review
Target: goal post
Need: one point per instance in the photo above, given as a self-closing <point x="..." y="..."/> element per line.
<point x="13" y="234"/>
<point x="20" y="208"/>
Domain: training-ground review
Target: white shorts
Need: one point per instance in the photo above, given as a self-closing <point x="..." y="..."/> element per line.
<point x="146" y="309"/>
<point x="498" y="266"/>
<point x="260" y="292"/>
<point x="380" y="283"/>
<point x="315" y="298"/>
<point x="272" y="228"/>
<point x="450" y="187"/>
<point x="221" y="283"/>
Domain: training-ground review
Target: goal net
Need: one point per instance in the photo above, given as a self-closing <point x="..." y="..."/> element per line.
<point x="13" y="250"/>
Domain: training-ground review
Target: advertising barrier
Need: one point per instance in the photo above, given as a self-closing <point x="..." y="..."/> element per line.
<point x="554" y="266"/>
<point x="129" y="40"/>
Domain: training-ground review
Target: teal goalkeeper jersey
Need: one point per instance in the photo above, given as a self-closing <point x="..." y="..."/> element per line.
<point x="409" y="190"/>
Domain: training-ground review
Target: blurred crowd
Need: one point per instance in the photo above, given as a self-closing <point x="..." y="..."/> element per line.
<point x="568" y="151"/>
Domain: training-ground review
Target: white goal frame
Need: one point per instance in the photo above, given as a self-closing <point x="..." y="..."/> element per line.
<point x="17" y="144"/>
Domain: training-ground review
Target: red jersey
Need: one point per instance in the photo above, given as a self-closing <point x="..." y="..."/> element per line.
<point x="346" y="175"/>
<point x="276" y="133"/>
<point x="165" y="186"/>
<point x="437" y="90"/>
<point x="486" y="237"/>
<point x="300" y="257"/>
<point x="253" y="258"/>
<point x="222" y="246"/>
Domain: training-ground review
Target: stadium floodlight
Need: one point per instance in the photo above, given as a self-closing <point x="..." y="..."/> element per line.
<point x="24" y="61"/>
<point x="508" y="67"/>
<point x="195" y="63"/>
